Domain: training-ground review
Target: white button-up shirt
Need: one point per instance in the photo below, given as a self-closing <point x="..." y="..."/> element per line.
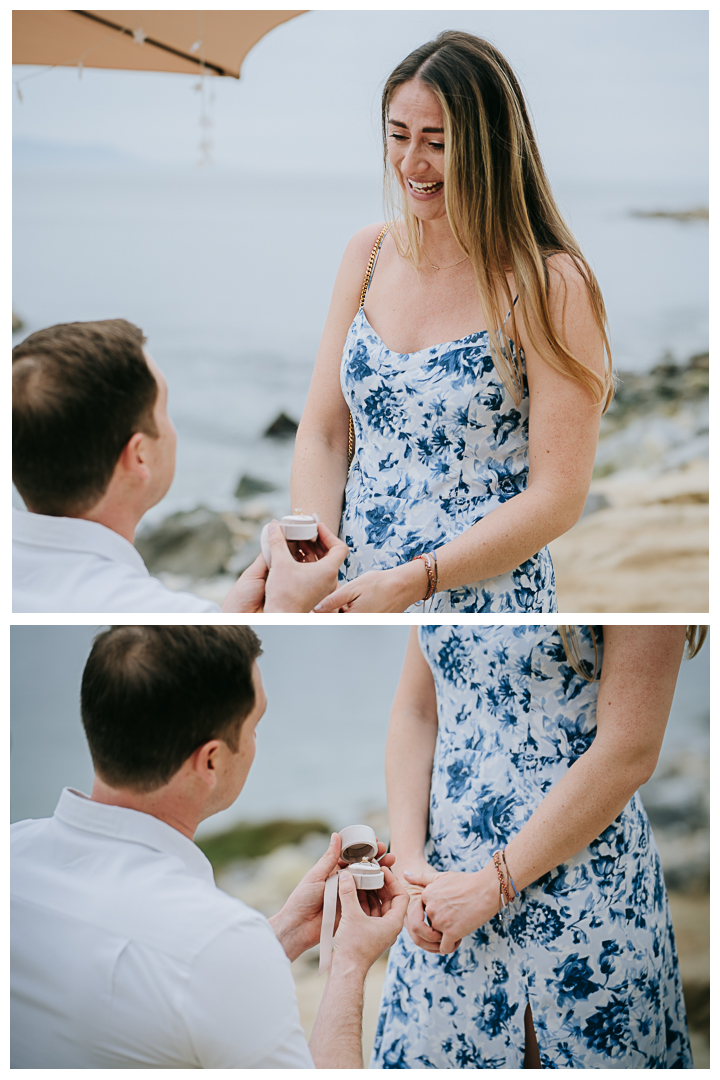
<point x="69" y="564"/>
<point x="125" y="954"/>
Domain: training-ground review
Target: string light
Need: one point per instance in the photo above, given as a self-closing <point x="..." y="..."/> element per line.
<point x="206" y="100"/>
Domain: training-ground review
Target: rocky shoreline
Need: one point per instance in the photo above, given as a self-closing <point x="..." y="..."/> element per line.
<point x="641" y="544"/>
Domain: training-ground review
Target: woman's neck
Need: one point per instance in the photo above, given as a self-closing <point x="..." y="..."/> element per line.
<point x="438" y="242"/>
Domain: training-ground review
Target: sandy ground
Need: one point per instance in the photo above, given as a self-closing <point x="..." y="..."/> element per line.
<point x="645" y="551"/>
<point x="691" y="918"/>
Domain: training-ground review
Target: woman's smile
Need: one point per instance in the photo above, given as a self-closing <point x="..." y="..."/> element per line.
<point x="424" y="189"/>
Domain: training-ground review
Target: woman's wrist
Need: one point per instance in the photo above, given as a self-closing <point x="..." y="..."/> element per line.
<point x="518" y="880"/>
<point x="488" y="888"/>
<point x="410" y="581"/>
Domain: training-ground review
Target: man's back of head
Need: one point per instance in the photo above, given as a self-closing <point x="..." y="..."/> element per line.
<point x="151" y="695"/>
<point x="80" y="391"/>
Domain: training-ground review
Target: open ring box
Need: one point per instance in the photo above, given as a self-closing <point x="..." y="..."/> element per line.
<point x="359" y="849"/>
<point x="295" y="527"/>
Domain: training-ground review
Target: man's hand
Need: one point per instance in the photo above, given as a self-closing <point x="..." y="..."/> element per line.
<point x="298" y="586"/>
<point x="297" y="924"/>
<point x="290" y="585"/>
<point x="248" y="592"/>
<point x="361" y="938"/>
<point x="336" y="1040"/>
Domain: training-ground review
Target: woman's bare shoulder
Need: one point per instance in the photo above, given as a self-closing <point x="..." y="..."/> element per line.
<point x="354" y="263"/>
<point x="359" y="249"/>
<point x="567" y="277"/>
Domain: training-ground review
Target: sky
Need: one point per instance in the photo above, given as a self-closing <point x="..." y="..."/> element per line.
<point x="615" y="95"/>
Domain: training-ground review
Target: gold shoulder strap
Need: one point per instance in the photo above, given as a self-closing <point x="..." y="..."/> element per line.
<point x="363" y="294"/>
<point x="371" y="265"/>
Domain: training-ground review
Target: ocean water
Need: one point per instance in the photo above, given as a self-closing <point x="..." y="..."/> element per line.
<point x="230" y="277"/>
<point x="320" y="747"/>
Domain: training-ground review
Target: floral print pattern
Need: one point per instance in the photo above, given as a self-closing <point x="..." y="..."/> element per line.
<point x="439" y="444"/>
<point x="589" y="945"/>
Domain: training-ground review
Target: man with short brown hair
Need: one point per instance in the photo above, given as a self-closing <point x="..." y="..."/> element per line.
<point x="124" y="953"/>
<point x="93" y="450"/>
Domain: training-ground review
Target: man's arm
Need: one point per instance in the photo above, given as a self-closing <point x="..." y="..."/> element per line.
<point x="336" y="1040"/>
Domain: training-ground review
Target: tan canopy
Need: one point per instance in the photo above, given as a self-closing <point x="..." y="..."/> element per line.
<point x="184" y="41"/>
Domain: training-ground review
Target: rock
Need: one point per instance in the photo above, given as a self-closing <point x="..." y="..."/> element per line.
<point x="257" y="510"/>
<point x="282" y="427"/>
<point x="677" y="800"/>
<point x="647" y="551"/>
<point x="677" y="796"/>
<point x="656" y="439"/>
<point x="249" y="486"/>
<point x="685" y="859"/>
<point x="697" y="213"/>
<point x="266" y="883"/>
<point x="242" y="528"/>
<point x="198" y="543"/>
<point x="595" y="501"/>
<point x="664" y="388"/>
<point x="243" y="556"/>
<point x="697" y="1005"/>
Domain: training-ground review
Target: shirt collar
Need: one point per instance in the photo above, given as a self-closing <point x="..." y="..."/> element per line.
<point x="119" y="822"/>
<point x="74" y="534"/>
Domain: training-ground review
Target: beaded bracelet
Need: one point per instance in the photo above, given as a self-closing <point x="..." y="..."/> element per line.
<point x="431" y="574"/>
<point x="504" y="892"/>
<point x="515" y="889"/>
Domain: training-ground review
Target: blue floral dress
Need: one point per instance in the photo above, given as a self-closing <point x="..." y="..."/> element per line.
<point x="590" y="945"/>
<point x="439" y="444"/>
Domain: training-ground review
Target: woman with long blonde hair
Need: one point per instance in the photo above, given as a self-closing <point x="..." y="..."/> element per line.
<point x="469" y="456"/>
<point x="538" y="933"/>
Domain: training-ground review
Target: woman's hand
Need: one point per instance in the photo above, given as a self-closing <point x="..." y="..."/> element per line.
<point x="417" y="926"/>
<point x="379" y="590"/>
<point x="456" y="903"/>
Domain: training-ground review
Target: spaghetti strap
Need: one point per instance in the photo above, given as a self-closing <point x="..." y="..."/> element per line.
<point x="510" y="311"/>
<point x="371" y="265"/>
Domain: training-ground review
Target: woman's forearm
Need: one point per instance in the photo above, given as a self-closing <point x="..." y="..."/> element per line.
<point x="640" y="668"/>
<point x="593" y="792"/>
<point x="408" y="771"/>
<point x="503" y="540"/>
<point x="507" y="537"/>
<point x="409" y="754"/>
<point x="319" y="472"/>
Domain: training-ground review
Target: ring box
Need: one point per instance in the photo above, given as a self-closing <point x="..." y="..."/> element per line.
<point x="295" y="527"/>
<point x="359" y="849"/>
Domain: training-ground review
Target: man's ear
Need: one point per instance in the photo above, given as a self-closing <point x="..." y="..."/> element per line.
<point x="133" y="458"/>
<point x="203" y="762"/>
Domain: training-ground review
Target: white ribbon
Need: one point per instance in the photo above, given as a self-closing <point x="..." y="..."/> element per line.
<point x="327" y="926"/>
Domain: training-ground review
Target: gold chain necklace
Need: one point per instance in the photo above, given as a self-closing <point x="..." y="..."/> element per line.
<point x="443" y="267"/>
